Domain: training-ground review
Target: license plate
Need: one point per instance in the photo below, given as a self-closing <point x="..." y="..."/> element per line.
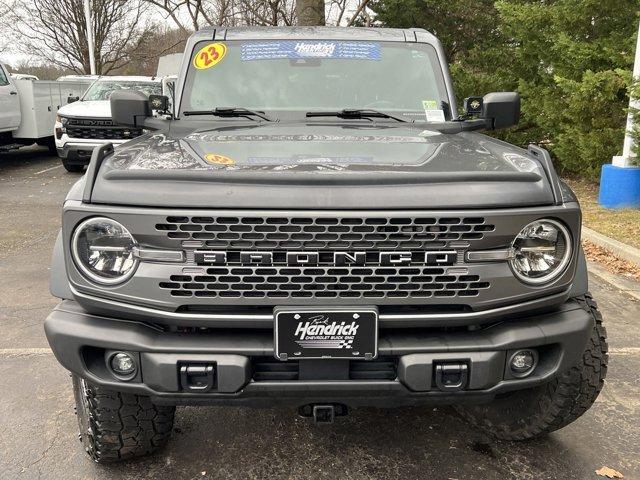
<point x="325" y="333"/>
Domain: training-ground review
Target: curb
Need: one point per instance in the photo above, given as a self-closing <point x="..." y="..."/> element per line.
<point x="630" y="287"/>
<point x="622" y="250"/>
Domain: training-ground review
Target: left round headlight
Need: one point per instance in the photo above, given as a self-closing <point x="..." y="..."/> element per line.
<point x="541" y="251"/>
<point x="103" y="250"/>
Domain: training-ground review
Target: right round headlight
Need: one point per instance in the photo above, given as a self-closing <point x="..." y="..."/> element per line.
<point x="541" y="251"/>
<point x="103" y="250"/>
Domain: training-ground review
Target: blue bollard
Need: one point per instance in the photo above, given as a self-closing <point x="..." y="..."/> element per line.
<point x="619" y="187"/>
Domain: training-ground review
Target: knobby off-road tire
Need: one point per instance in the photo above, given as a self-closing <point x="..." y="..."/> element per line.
<point x="71" y="167"/>
<point x="115" y="426"/>
<point x="534" y="412"/>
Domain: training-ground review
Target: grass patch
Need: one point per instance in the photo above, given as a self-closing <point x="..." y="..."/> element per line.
<point x="622" y="224"/>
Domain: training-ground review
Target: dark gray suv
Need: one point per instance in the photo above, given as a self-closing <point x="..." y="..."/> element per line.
<point x="314" y="225"/>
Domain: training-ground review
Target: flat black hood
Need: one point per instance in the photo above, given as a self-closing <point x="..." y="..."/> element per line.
<point x="327" y="166"/>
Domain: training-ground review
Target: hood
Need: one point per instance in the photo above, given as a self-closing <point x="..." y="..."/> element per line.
<point x="88" y="109"/>
<point x="313" y="165"/>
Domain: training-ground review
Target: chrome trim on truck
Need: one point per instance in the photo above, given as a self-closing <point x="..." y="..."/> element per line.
<point x="386" y="320"/>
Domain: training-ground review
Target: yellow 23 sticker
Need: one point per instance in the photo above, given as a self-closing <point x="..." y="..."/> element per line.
<point x="209" y="56"/>
<point x="219" y="159"/>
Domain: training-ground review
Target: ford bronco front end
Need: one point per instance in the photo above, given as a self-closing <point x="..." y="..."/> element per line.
<point x="315" y="226"/>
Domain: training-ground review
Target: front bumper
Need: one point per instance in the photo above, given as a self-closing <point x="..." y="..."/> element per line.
<point x="79" y="151"/>
<point x="246" y="373"/>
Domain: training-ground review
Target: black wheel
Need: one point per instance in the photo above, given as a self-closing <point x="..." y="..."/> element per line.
<point x="116" y="426"/>
<point x="71" y="167"/>
<point x="50" y="143"/>
<point x="534" y="412"/>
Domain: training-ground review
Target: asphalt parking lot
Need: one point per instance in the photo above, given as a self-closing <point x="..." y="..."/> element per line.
<point x="38" y="436"/>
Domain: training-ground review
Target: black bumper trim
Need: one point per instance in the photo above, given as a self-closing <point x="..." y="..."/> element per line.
<point x="70" y="332"/>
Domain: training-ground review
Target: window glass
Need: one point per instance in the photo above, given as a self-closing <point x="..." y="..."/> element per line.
<point x="315" y="75"/>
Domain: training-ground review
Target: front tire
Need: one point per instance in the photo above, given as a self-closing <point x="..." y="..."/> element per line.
<point x="534" y="412"/>
<point x="116" y="426"/>
<point x="71" y="167"/>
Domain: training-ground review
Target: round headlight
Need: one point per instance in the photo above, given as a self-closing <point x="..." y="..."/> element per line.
<point x="103" y="250"/>
<point x="541" y="251"/>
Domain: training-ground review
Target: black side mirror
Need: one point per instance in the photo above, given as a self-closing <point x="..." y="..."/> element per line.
<point x="72" y="99"/>
<point x="501" y="109"/>
<point x="129" y="108"/>
<point x="159" y="102"/>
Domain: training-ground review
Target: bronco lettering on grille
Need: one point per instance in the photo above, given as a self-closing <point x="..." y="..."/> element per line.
<point x="210" y="257"/>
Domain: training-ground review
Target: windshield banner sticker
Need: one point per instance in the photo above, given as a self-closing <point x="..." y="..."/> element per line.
<point x="209" y="56"/>
<point x="288" y="49"/>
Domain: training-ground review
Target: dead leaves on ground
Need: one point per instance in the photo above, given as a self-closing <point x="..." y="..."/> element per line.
<point x="610" y="261"/>
<point x="609" y="473"/>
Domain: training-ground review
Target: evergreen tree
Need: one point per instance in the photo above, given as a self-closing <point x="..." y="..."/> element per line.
<point x="571" y="61"/>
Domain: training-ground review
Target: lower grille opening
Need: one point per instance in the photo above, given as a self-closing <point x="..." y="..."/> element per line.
<point x="267" y="369"/>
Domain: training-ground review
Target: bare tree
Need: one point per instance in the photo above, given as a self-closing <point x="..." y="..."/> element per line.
<point x="55" y="31"/>
<point x="347" y="12"/>
<point x="191" y="15"/>
<point x="5" y="9"/>
<point x="310" y="12"/>
<point x="267" y="12"/>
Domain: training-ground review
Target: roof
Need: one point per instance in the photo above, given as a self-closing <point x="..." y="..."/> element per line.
<point x="336" y="33"/>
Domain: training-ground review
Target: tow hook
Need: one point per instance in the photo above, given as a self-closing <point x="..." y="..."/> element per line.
<point x="451" y="377"/>
<point x="323" y="413"/>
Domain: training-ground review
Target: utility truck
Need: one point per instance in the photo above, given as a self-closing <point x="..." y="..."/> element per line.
<point x="28" y="108"/>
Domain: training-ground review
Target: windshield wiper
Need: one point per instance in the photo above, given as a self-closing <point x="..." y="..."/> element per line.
<point x="356" y="113"/>
<point x="230" y="112"/>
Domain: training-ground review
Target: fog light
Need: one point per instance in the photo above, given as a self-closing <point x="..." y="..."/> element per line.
<point x="123" y="364"/>
<point x="523" y="362"/>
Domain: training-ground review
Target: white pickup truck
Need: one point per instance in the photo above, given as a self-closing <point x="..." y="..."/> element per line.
<point x="86" y="123"/>
<point x="28" y="109"/>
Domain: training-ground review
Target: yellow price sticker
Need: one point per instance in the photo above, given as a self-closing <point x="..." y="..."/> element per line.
<point x="218" y="159"/>
<point x="209" y="56"/>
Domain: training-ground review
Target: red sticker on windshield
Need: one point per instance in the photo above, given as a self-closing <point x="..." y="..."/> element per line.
<point x="209" y="56"/>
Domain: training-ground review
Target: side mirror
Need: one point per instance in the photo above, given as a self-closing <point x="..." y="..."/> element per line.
<point x="501" y="109"/>
<point x="159" y="102"/>
<point x="129" y="108"/>
<point x="72" y="99"/>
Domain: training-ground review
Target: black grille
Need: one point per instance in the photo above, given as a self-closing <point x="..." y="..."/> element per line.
<point x="269" y="369"/>
<point x="100" y="129"/>
<point x="286" y="233"/>
<point x="375" y="282"/>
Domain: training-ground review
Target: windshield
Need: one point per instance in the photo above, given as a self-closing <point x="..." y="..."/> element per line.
<point x="317" y="75"/>
<point x="102" y="89"/>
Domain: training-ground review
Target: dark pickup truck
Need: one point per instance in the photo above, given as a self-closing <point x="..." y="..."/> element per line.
<point x="314" y="225"/>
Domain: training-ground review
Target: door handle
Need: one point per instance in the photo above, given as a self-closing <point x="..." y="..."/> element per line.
<point x="13" y="93"/>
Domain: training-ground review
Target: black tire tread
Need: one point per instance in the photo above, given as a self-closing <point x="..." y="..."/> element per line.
<point x="560" y="401"/>
<point x="71" y="167"/>
<point x="121" y="425"/>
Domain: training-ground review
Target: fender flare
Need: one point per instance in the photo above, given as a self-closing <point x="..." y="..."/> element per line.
<point x="580" y="284"/>
<point x="58" y="281"/>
